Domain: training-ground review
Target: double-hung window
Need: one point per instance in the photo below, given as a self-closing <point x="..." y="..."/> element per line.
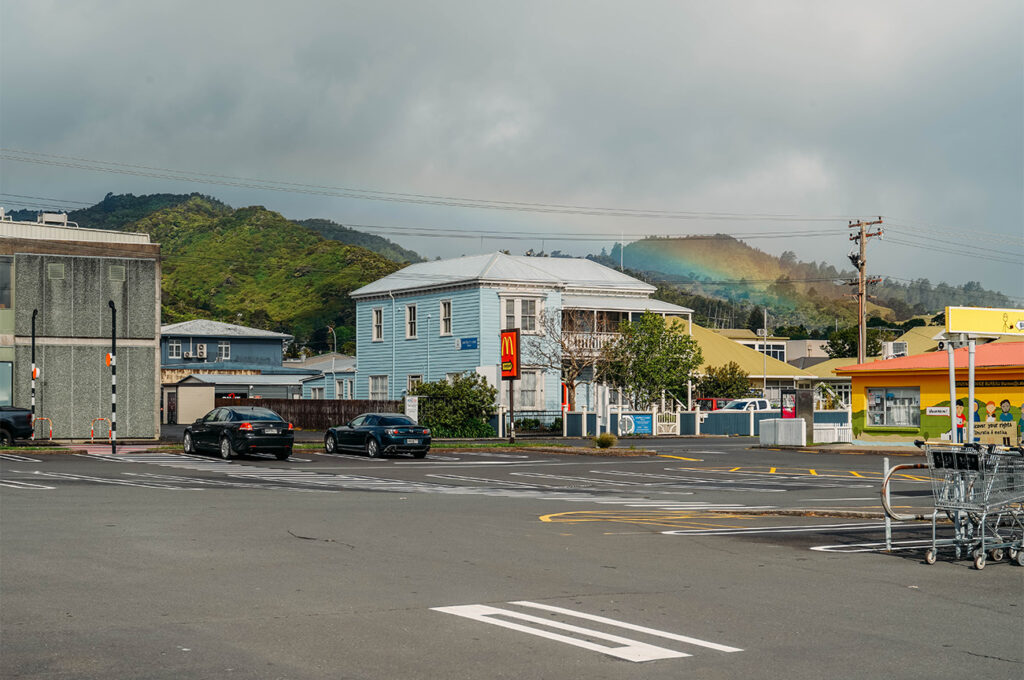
<point x="410" y="322"/>
<point x="316" y="393"/>
<point x="378" y="387"/>
<point x="523" y="313"/>
<point x="174" y="348"/>
<point x="894" y="407"/>
<point x="446" y="317"/>
<point x="377" y="325"/>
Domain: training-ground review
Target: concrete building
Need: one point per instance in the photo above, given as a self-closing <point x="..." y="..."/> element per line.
<point x="66" y="277"/>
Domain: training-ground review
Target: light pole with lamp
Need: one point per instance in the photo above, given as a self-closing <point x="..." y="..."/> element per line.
<point x="334" y="376"/>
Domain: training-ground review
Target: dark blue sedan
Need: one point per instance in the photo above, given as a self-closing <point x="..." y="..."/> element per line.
<point x="378" y="434"/>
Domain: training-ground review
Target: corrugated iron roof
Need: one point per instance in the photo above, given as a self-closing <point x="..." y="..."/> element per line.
<point x="621" y="303"/>
<point x="991" y="355"/>
<point x="207" y="327"/>
<point x="559" y="272"/>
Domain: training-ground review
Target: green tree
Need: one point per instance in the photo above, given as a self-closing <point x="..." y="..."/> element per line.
<point x="459" y="408"/>
<point x="650" y="357"/>
<point x="756" y="319"/>
<point x="843" y="343"/>
<point x="729" y="381"/>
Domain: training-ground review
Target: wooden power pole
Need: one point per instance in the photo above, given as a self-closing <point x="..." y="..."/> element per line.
<point x="859" y="261"/>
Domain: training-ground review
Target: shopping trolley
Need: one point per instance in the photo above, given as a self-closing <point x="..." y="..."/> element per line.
<point x="980" y="489"/>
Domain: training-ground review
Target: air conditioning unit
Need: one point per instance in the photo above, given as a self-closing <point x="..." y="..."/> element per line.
<point x="188" y="355"/>
<point x="201" y="350"/>
<point x="900" y="349"/>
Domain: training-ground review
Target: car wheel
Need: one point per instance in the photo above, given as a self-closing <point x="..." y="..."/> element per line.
<point x="225" y="448"/>
<point x="188" y="444"/>
<point x="330" y="444"/>
<point x="6" y="439"/>
<point x="372" y="448"/>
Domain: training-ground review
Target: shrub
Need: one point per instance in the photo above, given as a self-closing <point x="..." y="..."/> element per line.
<point x="459" y="408"/>
<point x="605" y="440"/>
<point x="555" y="426"/>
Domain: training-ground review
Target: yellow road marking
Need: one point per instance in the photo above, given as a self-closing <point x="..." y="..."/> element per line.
<point x="694" y="460"/>
<point x="771" y="471"/>
<point x="813" y="472"/>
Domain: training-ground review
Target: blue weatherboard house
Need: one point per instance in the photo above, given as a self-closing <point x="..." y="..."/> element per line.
<point x="215" y="345"/>
<point x="431" y="320"/>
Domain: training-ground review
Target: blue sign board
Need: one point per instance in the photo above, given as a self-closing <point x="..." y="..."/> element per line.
<point x="643" y="423"/>
<point x="467" y="343"/>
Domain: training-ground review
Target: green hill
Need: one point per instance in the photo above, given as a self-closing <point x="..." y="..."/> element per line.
<point x="253" y="267"/>
<point x="378" y="244"/>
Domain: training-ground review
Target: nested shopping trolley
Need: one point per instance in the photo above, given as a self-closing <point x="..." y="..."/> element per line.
<point x="981" y="491"/>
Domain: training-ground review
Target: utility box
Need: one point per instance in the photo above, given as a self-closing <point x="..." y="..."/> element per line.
<point x="799" y="403"/>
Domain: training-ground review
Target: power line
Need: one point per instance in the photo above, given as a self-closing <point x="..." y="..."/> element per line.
<point x="377" y="195"/>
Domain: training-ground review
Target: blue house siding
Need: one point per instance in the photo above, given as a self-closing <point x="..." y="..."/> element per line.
<point x="328" y="382"/>
<point x="243" y="350"/>
<point x="430" y="354"/>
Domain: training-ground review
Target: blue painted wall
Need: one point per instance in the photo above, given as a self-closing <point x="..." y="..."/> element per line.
<point x="329" y="382"/>
<point x="265" y="351"/>
<point x="476" y="313"/>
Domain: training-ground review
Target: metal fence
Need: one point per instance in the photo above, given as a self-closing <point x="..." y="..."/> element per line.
<point x="318" y="414"/>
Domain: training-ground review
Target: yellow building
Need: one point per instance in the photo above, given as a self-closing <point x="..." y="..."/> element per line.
<point x="908" y="398"/>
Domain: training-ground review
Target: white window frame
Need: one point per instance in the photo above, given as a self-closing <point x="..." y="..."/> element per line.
<point x="174" y="348"/>
<point x="411" y="329"/>
<point x="381" y="385"/>
<point x="316" y="392"/>
<point x="377" y="325"/>
<point x="445" y="314"/>
<point x="516" y="316"/>
<point x="223" y="350"/>
<point x="538" y="391"/>
<point x="412" y="381"/>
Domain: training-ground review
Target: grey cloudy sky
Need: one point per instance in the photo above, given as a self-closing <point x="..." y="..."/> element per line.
<point x="911" y="110"/>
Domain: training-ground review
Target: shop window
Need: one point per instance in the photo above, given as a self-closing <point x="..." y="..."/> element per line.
<point x="894" y="407"/>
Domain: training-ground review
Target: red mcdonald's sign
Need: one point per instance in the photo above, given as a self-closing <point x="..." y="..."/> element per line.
<point x="510" y="354"/>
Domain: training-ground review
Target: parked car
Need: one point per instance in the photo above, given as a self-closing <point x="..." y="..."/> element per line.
<point x="232" y="430"/>
<point x="15" y="423"/>
<point x="748" y="405"/>
<point x="711" y="403"/>
<point x="377" y="434"/>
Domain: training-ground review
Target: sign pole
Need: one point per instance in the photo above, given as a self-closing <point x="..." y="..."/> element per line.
<point x="113" y="376"/>
<point x="511" y="413"/>
<point x="510" y="372"/>
<point x="34" y="313"/>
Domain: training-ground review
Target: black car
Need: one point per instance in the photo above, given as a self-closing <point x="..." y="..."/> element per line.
<point x="15" y="423"/>
<point x="240" y="429"/>
<point x="379" y="433"/>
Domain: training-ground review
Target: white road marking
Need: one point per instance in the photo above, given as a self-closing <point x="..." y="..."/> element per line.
<point x="797" y="529"/>
<point x="630" y="650"/>
<point x="875" y="547"/>
<point x="17" y="484"/>
<point x="629" y="626"/>
<point x="106" y="480"/>
<point x="17" y="459"/>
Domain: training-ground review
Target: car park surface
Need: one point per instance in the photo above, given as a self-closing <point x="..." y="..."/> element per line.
<point x="654" y="566"/>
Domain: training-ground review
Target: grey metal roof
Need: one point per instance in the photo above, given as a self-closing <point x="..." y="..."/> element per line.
<point x="341" y="362"/>
<point x="206" y="327"/>
<point x="622" y="303"/>
<point x="498" y="268"/>
<point x="266" y="369"/>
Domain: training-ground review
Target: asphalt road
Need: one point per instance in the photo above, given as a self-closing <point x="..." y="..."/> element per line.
<point x="485" y="564"/>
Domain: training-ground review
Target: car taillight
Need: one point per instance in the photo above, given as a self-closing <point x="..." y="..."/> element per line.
<point x="245" y="426"/>
<point x="391" y="431"/>
<point x="290" y="426"/>
<point x="426" y="432"/>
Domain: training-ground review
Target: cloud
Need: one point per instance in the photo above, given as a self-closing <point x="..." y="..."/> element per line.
<point x="911" y="109"/>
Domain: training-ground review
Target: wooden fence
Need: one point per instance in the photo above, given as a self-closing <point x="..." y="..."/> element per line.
<point x="318" y="414"/>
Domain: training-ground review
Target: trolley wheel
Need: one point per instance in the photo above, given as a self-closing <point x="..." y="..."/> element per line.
<point x="929" y="556"/>
<point x="1011" y="554"/>
<point x="996" y="554"/>
<point x="979" y="561"/>
<point x="1020" y="558"/>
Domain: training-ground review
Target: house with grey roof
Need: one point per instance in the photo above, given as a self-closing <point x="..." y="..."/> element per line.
<point x="434" y="319"/>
